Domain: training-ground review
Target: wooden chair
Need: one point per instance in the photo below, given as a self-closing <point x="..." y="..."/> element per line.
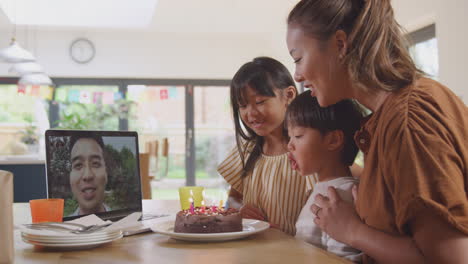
<point x="152" y="147"/>
<point x="144" y="175"/>
<point x="165" y="153"/>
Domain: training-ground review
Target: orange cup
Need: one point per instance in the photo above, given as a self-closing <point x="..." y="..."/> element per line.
<point x="46" y="210"/>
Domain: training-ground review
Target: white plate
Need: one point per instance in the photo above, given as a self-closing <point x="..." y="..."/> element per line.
<point x="69" y="239"/>
<point x="73" y="246"/>
<point x="65" y="234"/>
<point x="250" y="227"/>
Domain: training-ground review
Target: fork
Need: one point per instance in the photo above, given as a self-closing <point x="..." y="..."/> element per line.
<point x="80" y="230"/>
<point x="60" y="224"/>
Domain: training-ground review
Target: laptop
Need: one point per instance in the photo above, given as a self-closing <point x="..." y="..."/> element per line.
<point x="95" y="172"/>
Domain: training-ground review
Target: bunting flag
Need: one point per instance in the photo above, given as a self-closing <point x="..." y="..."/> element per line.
<point x="47" y="92"/>
<point x="85" y="97"/>
<point x="21" y="89"/>
<point x="152" y="94"/>
<point x="97" y="98"/>
<point x="74" y="96"/>
<point x="118" y="96"/>
<point x="60" y="95"/>
<point x="108" y="98"/>
<point x="173" y="93"/>
<point x="142" y="97"/>
<point x="163" y="94"/>
<point x="35" y="90"/>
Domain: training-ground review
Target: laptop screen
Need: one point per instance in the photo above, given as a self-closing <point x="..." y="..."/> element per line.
<point x="95" y="172"/>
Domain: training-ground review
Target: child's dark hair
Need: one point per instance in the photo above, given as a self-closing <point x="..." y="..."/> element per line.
<point x="263" y="75"/>
<point x="345" y="115"/>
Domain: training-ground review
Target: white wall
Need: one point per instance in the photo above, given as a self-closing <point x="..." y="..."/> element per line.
<point x="452" y="36"/>
<point x="147" y="54"/>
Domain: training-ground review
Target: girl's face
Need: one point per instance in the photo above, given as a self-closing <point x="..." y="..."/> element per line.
<point x="263" y="114"/>
<point x="318" y="66"/>
<point x="306" y="149"/>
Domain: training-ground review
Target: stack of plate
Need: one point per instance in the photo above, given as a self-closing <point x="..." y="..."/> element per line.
<point x="68" y="240"/>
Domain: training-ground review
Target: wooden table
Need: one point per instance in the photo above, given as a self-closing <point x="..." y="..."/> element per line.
<point x="271" y="246"/>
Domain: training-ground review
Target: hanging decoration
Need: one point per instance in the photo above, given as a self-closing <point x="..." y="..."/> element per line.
<point x="108" y="98"/>
<point x="173" y="92"/>
<point x="85" y="97"/>
<point x="74" y="96"/>
<point x="163" y="93"/>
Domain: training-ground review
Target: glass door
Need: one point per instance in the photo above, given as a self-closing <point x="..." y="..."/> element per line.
<point x="214" y="137"/>
<point x="159" y="117"/>
<point x="92" y="107"/>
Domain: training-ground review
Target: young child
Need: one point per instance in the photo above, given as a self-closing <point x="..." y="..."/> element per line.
<point x="321" y="143"/>
<point x="258" y="170"/>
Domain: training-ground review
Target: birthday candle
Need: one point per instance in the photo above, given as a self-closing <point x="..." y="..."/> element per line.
<point x="203" y="206"/>
<point x="191" y="206"/>
<point x="220" y="204"/>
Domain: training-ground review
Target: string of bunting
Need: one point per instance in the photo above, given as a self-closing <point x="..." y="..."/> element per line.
<point x="105" y="97"/>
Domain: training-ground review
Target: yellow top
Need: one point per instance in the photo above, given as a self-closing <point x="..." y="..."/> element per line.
<point x="273" y="186"/>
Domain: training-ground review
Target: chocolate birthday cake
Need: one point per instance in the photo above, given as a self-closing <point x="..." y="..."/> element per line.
<point x="208" y="220"/>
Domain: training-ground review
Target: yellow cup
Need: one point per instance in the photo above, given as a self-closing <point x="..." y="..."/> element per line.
<point x="185" y="195"/>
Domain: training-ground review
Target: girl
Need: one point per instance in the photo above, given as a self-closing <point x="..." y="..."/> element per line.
<point x="412" y="204"/>
<point x="321" y="143"/>
<point x="258" y="169"/>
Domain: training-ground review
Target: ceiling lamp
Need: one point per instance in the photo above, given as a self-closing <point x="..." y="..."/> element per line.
<point x="23" y="68"/>
<point x="15" y="53"/>
<point x="35" y="79"/>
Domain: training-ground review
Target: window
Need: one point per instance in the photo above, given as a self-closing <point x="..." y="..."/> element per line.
<point x="194" y="115"/>
<point x="424" y="50"/>
<point x="23" y="118"/>
<point x="88" y="107"/>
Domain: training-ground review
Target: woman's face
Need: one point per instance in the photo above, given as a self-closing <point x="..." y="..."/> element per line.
<point x="318" y="66"/>
<point x="306" y="149"/>
<point x="263" y="114"/>
<point x="88" y="177"/>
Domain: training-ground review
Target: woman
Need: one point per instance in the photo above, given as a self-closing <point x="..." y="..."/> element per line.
<point x="412" y="204"/>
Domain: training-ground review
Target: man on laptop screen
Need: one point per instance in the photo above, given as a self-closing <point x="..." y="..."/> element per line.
<point x="96" y="172"/>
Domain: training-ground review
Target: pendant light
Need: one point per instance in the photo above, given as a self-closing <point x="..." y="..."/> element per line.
<point x="35" y="79"/>
<point x="26" y="67"/>
<point x="15" y="53"/>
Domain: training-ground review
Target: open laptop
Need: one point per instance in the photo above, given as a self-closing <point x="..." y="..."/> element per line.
<point x="95" y="172"/>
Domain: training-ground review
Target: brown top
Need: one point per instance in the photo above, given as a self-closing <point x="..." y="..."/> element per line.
<point x="416" y="156"/>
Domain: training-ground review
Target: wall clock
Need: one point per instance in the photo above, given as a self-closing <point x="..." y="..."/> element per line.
<point x="82" y="50"/>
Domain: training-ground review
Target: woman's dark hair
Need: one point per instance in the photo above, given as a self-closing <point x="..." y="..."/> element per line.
<point x="346" y="116"/>
<point x="377" y="56"/>
<point x="264" y="75"/>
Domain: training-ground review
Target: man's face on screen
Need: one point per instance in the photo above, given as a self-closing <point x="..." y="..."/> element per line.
<point x="88" y="176"/>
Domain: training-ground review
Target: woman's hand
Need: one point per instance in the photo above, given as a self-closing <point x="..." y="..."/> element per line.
<point x="252" y="212"/>
<point x="336" y="217"/>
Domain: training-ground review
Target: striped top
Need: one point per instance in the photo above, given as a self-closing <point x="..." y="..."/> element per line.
<point x="273" y="186"/>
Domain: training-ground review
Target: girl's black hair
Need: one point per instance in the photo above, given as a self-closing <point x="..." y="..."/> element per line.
<point x="345" y="115"/>
<point x="264" y="75"/>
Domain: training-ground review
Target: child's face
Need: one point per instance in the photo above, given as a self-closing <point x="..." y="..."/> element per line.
<point x="306" y="149"/>
<point x="263" y="114"/>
